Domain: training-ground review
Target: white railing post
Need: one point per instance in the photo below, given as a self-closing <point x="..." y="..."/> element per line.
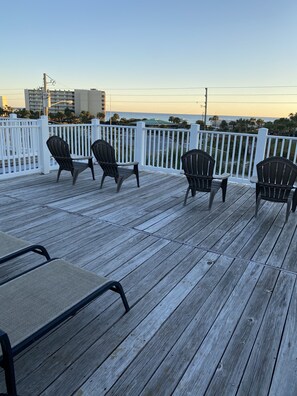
<point x="139" y="144"/>
<point x="260" y="148"/>
<point x="12" y="116"/>
<point x="95" y="135"/>
<point x="194" y="130"/>
<point x="44" y="155"/>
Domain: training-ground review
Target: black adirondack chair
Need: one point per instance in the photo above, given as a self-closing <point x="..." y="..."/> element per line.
<point x="199" y="170"/>
<point x="105" y="156"/>
<point x="275" y="182"/>
<point x="59" y="149"/>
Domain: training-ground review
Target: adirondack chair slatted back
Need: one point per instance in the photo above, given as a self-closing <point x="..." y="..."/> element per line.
<point x="59" y="149"/>
<point x="198" y="167"/>
<point x="276" y="177"/>
<point x="105" y="156"/>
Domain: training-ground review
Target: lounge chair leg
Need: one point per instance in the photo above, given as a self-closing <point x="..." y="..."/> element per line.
<point x="41" y="250"/>
<point x="117" y="287"/>
<point x="8" y="364"/>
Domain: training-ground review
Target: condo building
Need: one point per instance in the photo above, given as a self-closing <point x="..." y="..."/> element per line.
<point x="3" y="102"/>
<point x="77" y="101"/>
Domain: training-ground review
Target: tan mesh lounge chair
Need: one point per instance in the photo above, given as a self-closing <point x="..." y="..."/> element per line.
<point x="275" y="182"/>
<point x="199" y="168"/>
<point x="11" y="247"/>
<point x="64" y="288"/>
<point x="105" y="156"/>
<point x="59" y="149"/>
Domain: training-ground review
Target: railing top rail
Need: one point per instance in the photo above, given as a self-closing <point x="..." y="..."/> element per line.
<point x="68" y="125"/>
<point x="293" y="138"/>
<point x="230" y="133"/>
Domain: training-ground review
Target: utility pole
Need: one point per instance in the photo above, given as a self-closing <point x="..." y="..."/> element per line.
<point x="45" y="96"/>
<point x="46" y="100"/>
<point x="205" y="108"/>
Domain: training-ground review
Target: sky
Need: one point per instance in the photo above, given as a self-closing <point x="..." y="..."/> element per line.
<point x="156" y="56"/>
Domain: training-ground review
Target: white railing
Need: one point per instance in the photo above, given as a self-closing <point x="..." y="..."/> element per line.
<point x="122" y="138"/>
<point x="79" y="137"/>
<point x="19" y="147"/>
<point x="164" y="147"/>
<point x="234" y="153"/>
<point x="282" y="146"/>
<point x="23" y="146"/>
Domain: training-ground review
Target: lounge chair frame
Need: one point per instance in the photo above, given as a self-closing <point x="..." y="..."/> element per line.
<point x="12" y="247"/>
<point x="23" y="282"/>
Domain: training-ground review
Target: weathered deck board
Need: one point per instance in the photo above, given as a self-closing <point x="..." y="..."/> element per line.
<point x="212" y="294"/>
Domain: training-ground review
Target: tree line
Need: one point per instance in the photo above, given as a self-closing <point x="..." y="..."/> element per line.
<point x="282" y="126"/>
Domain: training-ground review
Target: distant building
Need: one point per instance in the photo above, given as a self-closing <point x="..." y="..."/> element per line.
<point x="3" y="102"/>
<point x="91" y="100"/>
<point x="77" y="101"/>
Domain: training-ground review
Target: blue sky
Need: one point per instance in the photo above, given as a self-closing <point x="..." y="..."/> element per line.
<point x="157" y="55"/>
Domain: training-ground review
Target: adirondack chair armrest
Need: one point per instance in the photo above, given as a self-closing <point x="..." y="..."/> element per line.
<point x="127" y="163"/>
<point x="222" y="176"/>
<point x="74" y="157"/>
<point x="79" y="157"/>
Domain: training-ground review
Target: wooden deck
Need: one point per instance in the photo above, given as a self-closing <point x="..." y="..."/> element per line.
<point x="213" y="294"/>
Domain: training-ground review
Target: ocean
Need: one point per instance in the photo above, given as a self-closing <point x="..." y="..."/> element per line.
<point x="190" y="118"/>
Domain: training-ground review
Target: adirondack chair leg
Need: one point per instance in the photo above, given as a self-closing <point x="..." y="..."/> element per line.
<point x="91" y="165"/>
<point x="7" y="364"/>
<point x="137" y="174"/>
<point x="102" y="180"/>
<point x="211" y="198"/>
<point x="224" y="188"/>
<point x="186" y="196"/>
<point x="58" y="175"/>
<point x="119" y="184"/>
<point x="289" y="205"/>
<point x="294" y="204"/>
<point x="75" y="174"/>
<point x="257" y="205"/>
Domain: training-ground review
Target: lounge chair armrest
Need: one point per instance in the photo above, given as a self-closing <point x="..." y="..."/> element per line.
<point x="254" y="179"/>
<point x="127" y="163"/>
<point x="222" y="176"/>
